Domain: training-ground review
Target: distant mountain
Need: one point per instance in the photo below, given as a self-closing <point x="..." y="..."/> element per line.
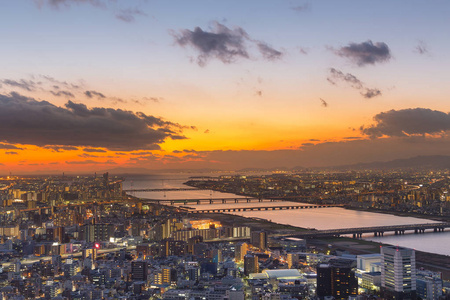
<point x="419" y="162"/>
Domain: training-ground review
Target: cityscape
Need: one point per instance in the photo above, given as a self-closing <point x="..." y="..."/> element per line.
<point x="224" y="150"/>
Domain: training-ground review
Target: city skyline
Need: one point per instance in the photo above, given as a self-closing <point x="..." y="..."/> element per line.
<point x="97" y="84"/>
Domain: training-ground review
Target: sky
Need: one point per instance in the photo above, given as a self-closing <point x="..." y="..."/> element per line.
<point x="93" y="85"/>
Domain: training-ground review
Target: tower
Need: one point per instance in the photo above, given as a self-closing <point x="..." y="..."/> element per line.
<point x="398" y="272"/>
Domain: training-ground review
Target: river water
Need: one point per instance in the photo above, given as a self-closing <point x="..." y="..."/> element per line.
<point x="320" y="218"/>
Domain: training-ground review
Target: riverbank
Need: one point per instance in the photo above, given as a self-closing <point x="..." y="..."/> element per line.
<point x="429" y="261"/>
<point x="402" y="214"/>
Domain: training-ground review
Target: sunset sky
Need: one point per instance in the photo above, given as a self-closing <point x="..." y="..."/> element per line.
<point x="93" y="85"/>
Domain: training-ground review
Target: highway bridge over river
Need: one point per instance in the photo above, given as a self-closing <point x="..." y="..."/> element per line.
<point x="208" y="200"/>
<point x="377" y="230"/>
<point x="260" y="208"/>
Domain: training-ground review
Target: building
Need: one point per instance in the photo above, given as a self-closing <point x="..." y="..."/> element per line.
<point x="240" y="251"/>
<point x="336" y="279"/>
<point x="259" y="239"/>
<point x="139" y="270"/>
<point x="163" y="277"/>
<point x="251" y="264"/>
<point x="398" y="272"/>
<point x="429" y="285"/>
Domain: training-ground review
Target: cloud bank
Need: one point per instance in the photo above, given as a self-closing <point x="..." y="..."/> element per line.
<point x="407" y="122"/>
<point x="25" y="120"/>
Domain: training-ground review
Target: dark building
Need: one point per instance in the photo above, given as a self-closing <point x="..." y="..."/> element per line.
<point x="97" y="232"/>
<point x="171" y="247"/>
<point x="336" y="279"/>
<point x="139" y="270"/>
<point x="251" y="264"/>
<point x="259" y="239"/>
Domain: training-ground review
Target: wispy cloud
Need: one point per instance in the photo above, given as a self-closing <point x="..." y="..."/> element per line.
<point x="129" y="15"/>
<point x="338" y="76"/>
<point x="302" y="7"/>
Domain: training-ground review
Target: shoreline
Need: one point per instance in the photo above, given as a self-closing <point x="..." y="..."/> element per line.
<point x="427" y="260"/>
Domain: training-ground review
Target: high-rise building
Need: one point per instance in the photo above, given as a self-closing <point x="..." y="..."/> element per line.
<point x="139" y="270"/>
<point x="240" y="251"/>
<point x="259" y="239"/>
<point x="251" y="264"/>
<point x="336" y="279"/>
<point x="398" y="272"/>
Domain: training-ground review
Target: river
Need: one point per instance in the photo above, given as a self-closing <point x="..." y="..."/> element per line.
<point x="320" y="218"/>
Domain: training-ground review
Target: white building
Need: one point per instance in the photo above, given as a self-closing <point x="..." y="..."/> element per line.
<point x="398" y="272"/>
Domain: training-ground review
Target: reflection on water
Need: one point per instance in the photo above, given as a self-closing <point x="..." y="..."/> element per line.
<point x="320" y="218"/>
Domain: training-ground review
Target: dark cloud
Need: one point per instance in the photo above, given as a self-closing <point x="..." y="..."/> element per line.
<point x="307" y="144"/>
<point x="206" y="131"/>
<point x="91" y="162"/>
<point x="366" y="53"/>
<point x="129" y="15"/>
<point x="407" y="122"/>
<point x="25" y="120"/>
<point x="370" y="93"/>
<point x="60" y="148"/>
<point x="11" y="153"/>
<point x="268" y="52"/>
<point x="323" y="102"/>
<point x="93" y="150"/>
<point x="62" y="93"/>
<point x="91" y="94"/>
<point x="301" y="8"/>
<point x="27" y="85"/>
<point x="9" y="147"/>
<point x="85" y="155"/>
<point x="222" y="43"/>
<point x="353" y="81"/>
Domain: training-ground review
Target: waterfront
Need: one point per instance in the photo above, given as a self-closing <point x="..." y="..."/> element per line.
<point x="321" y="218"/>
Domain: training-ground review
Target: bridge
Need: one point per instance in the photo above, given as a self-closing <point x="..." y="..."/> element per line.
<point x="377" y="230"/>
<point x="264" y="208"/>
<point x="208" y="200"/>
<point x="165" y="190"/>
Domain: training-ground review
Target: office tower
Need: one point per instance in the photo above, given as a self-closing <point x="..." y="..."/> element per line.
<point x="398" y="272"/>
<point x="259" y="239"/>
<point x="251" y="264"/>
<point x="336" y="279"/>
<point x="139" y="270"/>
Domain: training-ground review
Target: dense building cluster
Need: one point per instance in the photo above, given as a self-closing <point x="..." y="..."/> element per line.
<point x="83" y="238"/>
